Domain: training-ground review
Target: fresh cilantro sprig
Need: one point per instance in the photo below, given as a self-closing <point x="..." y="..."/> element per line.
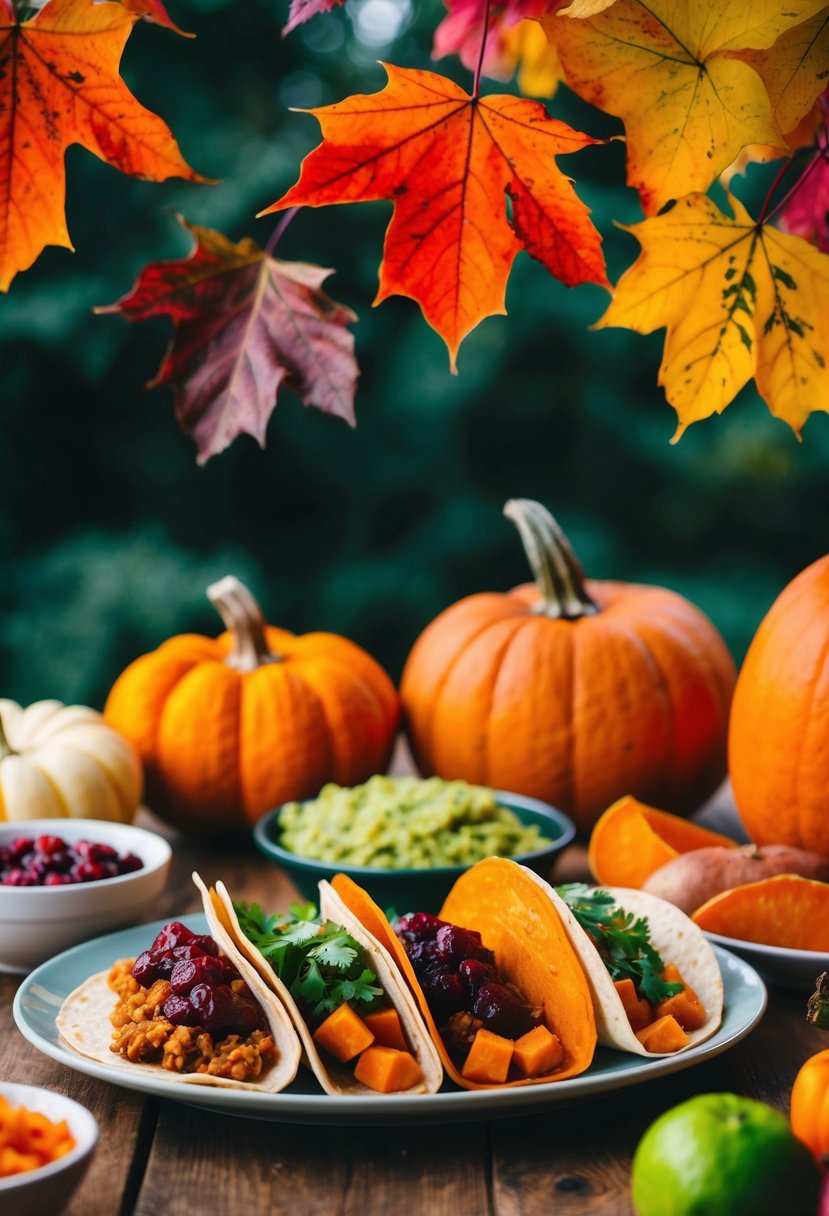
<point x="321" y="964"/>
<point x="623" y="940"/>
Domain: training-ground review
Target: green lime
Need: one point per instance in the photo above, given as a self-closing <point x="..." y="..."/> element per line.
<point x="723" y="1155"/>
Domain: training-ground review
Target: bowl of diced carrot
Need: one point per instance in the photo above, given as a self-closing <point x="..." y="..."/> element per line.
<point x="46" y="1144"/>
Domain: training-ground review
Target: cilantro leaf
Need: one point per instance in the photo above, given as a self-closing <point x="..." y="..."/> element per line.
<point x="320" y="963"/>
<point x="338" y="951"/>
<point x="622" y="940"/>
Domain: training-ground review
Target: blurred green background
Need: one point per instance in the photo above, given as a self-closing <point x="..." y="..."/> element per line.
<point x="109" y="532"/>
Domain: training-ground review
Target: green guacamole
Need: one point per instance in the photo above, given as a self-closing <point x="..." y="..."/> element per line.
<point x="400" y="823"/>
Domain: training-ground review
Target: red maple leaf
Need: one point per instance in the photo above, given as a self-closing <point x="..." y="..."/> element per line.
<point x="452" y="164"/>
<point x="244" y="324"/>
<point x="303" y="10"/>
<point x="59" y="85"/>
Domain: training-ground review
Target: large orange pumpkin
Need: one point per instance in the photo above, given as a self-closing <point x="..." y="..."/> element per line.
<point x="571" y="691"/>
<point x="230" y="727"/>
<point x="778" y="746"/>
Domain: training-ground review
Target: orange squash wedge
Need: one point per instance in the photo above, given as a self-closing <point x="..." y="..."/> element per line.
<point x="786" y="910"/>
<point x="631" y="840"/>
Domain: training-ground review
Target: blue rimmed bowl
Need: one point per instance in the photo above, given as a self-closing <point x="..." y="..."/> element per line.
<point x="413" y="890"/>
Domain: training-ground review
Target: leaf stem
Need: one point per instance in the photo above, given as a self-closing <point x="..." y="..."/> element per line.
<point x="476" y="88"/>
<point x="820" y="155"/>
<point x="276" y="235"/>
<point x="778" y="177"/>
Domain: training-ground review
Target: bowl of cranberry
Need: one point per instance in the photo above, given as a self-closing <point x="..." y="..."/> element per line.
<point x="63" y="881"/>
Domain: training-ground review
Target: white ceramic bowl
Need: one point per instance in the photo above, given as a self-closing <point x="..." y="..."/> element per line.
<point x="46" y="1191"/>
<point x="38" y="922"/>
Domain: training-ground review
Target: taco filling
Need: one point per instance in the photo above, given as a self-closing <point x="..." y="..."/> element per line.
<point x="488" y="1027"/>
<point x="184" y="1005"/>
<point x="661" y="1008"/>
<point x="334" y="984"/>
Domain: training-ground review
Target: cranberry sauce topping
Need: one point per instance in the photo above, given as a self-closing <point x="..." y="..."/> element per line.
<point x="48" y="861"/>
<point x="461" y="983"/>
<point x="200" y="979"/>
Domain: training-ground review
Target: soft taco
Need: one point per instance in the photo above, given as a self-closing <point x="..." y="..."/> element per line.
<point x="360" y="1029"/>
<point x="186" y="1009"/>
<point x="655" y="980"/>
<point x="500" y="986"/>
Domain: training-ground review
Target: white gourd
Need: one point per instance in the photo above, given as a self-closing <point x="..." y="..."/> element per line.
<point x="59" y="761"/>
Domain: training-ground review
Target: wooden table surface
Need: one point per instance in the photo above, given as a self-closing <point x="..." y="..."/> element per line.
<point x="160" y="1158"/>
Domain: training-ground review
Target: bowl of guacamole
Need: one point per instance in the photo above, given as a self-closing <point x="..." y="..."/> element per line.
<point x="407" y="839"/>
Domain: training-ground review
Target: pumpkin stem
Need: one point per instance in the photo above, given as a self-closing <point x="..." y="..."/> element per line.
<point x="556" y="569"/>
<point x="6" y="748"/>
<point x="243" y="618"/>
<point x="817" y="1007"/>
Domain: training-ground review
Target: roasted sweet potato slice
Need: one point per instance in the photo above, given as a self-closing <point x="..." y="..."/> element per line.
<point x="786" y="910"/>
<point x="631" y="840"/>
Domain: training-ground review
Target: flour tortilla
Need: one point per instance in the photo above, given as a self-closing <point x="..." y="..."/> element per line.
<point x="334" y="1077"/>
<point x="676" y="939"/>
<point x="84" y="1025"/>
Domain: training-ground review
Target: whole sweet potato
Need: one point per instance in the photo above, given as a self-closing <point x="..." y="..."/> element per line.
<point x="692" y="878"/>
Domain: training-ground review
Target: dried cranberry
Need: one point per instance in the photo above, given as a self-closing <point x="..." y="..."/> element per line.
<point x="418" y="927"/>
<point x="47" y="846"/>
<point x="102" y="852"/>
<point x="191" y="971"/>
<point x="172" y="935"/>
<point x="18" y="877"/>
<point x="502" y="1010"/>
<point x="19" y="847"/>
<point x="59" y="862"/>
<point x="128" y="863"/>
<point x="144" y="969"/>
<point x="53" y="879"/>
<point x="455" y="944"/>
<point x="446" y="994"/>
<point x="206" y="944"/>
<point x="214" y="1007"/>
<point x="179" y="1011"/>
<point x="476" y="973"/>
<point x="88" y="871"/>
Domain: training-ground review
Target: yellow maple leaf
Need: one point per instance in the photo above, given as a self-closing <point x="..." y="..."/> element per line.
<point x="527" y="47"/>
<point x="739" y="300"/>
<point x="668" y="69"/>
<point x="795" y="70"/>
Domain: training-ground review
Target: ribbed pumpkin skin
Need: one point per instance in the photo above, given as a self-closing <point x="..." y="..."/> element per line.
<point x="778" y="746"/>
<point x="631" y="700"/>
<point x="221" y="747"/>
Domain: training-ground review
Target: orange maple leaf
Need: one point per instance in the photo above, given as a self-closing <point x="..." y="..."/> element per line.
<point x="450" y="163"/>
<point x="59" y="85"/>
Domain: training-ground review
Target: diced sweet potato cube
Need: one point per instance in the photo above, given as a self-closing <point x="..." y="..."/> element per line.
<point x="344" y="1034"/>
<point x="489" y="1058"/>
<point x="387" y="1070"/>
<point x="639" y="1012"/>
<point x="386" y="1028"/>
<point x="686" y="1006"/>
<point x="537" y="1052"/>
<point x="665" y="1034"/>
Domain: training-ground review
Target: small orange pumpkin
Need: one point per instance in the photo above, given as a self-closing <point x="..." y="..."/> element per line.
<point x="570" y="691"/>
<point x="810" y="1104"/>
<point x="230" y="727"/>
<point x="777" y="753"/>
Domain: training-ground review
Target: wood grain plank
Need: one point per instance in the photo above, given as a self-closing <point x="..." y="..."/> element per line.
<point x="239" y="1165"/>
